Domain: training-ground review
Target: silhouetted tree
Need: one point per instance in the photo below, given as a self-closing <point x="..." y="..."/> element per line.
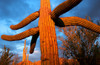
<point x="80" y="44"/>
<point x="6" y="56"/>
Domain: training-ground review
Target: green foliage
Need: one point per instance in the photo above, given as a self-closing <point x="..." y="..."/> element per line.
<point x="80" y="44"/>
<point x="6" y="56"/>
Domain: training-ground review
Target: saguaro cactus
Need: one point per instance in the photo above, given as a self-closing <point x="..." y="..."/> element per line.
<point x="49" y="49"/>
<point x="24" y="51"/>
<point x="46" y="29"/>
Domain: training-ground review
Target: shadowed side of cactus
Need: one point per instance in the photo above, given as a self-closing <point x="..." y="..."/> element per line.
<point x="33" y="42"/>
<point x="71" y="21"/>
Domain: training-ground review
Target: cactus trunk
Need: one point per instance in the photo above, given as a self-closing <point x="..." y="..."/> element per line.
<point x="48" y="42"/>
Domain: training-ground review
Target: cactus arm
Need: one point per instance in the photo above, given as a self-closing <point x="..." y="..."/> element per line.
<point x="20" y="36"/>
<point x="26" y="21"/>
<point x="77" y="21"/>
<point x="64" y="7"/>
<point x="33" y="42"/>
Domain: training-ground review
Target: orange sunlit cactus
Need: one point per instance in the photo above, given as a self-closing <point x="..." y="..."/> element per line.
<point x="46" y="28"/>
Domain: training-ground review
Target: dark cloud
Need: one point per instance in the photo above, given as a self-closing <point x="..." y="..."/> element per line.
<point x="14" y="9"/>
<point x="95" y="10"/>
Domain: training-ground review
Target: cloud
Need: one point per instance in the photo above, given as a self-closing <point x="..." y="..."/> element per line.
<point x="13" y="8"/>
<point x="95" y="10"/>
<point x="35" y="56"/>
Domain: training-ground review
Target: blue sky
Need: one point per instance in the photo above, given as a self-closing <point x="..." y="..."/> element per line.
<point x="13" y="11"/>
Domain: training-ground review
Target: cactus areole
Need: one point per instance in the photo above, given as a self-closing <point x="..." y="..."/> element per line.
<point x="46" y="28"/>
